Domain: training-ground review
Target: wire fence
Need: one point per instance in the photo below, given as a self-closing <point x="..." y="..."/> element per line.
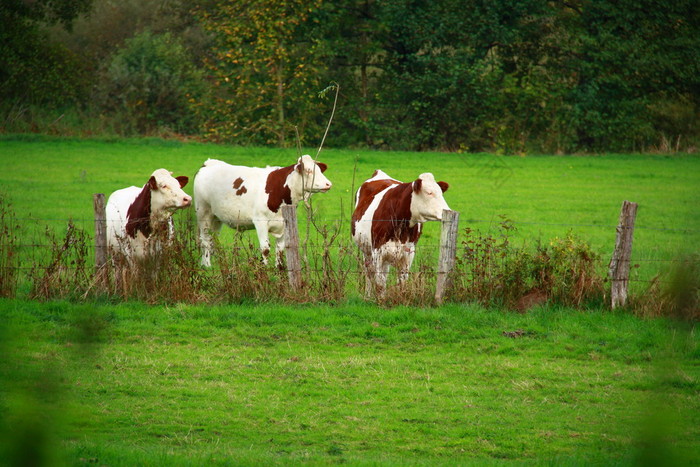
<point x="42" y="233"/>
<point x="485" y="252"/>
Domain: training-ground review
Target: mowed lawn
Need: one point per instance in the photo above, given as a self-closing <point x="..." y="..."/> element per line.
<point x="129" y="384"/>
<point x="51" y="180"/>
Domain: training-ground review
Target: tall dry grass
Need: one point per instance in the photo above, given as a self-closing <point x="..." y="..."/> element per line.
<point x="9" y="242"/>
<point x="490" y="270"/>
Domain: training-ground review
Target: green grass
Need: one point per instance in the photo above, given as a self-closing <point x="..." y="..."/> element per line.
<point x="242" y="385"/>
<point x="255" y="384"/>
<point x="51" y="180"/>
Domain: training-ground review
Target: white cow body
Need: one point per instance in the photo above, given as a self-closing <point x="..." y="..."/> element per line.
<point x="387" y="222"/>
<point x="134" y="215"/>
<point x="251" y="197"/>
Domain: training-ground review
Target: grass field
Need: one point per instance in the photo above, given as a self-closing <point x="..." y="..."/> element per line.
<point x="122" y="384"/>
<point x="258" y="385"/>
<point x="51" y="180"/>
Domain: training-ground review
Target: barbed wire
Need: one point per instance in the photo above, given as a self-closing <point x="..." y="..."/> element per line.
<point x="186" y="226"/>
<point x="305" y="270"/>
<point x="179" y="222"/>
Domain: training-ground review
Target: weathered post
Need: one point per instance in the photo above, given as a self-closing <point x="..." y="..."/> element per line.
<point x="98" y="202"/>
<point x="448" y="252"/>
<point x="291" y="234"/>
<point x="619" y="269"/>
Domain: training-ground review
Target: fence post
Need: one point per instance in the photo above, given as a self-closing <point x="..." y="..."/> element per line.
<point x="98" y="202"/>
<point x="448" y="252"/>
<point x="291" y="248"/>
<point x="619" y="269"/>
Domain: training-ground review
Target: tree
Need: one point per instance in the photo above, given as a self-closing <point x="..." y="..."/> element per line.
<point x="630" y="55"/>
<point x="30" y="69"/>
<point x="264" y="69"/>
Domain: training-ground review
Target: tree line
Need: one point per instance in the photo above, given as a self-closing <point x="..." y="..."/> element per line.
<point x="508" y="76"/>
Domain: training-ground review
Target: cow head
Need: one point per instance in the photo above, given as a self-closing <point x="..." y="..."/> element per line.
<point x="312" y="175"/>
<point x="427" y="202"/>
<point x="166" y="191"/>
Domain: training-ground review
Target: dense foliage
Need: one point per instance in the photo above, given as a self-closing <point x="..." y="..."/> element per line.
<point x="503" y="75"/>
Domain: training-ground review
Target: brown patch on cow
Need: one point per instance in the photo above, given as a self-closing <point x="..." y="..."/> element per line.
<point x="182" y="180"/>
<point x="238" y="186"/>
<point x="277" y="189"/>
<point x="138" y="217"/>
<point x="367" y="192"/>
<point x="391" y="221"/>
<point x="417" y="185"/>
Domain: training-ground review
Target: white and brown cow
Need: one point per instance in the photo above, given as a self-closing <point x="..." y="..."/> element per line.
<point x="387" y="222"/>
<point x="135" y="216"/>
<point x="250" y="197"/>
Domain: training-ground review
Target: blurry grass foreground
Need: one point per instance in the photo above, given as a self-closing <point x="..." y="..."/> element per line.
<point x="177" y="384"/>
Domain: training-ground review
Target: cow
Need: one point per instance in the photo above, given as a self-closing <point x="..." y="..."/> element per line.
<point x="136" y="216"/>
<point x="387" y="223"/>
<point x="250" y="197"/>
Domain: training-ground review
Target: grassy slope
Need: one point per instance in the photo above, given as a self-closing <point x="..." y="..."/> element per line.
<point x="129" y="384"/>
<point x="547" y="196"/>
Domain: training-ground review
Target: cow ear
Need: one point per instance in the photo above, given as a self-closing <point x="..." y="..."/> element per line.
<point x="300" y="167"/>
<point x="322" y="166"/>
<point x="417" y="185"/>
<point x="183" y="180"/>
<point x="152" y="183"/>
<point x="444" y="186"/>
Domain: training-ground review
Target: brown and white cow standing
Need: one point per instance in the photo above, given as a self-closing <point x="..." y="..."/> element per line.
<point x="136" y="215"/>
<point x="250" y="197"/>
<point x="387" y="222"/>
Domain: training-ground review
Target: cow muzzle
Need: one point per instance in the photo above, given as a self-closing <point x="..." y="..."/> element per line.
<point x="321" y="189"/>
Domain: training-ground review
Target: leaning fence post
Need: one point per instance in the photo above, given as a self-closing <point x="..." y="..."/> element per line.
<point x="448" y="252"/>
<point x="619" y="269"/>
<point x="98" y="202"/>
<point x="291" y="235"/>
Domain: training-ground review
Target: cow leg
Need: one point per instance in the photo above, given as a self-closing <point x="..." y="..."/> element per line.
<point x="280" y="244"/>
<point x="382" y="275"/>
<point x="379" y="273"/>
<point x="405" y="263"/>
<point x="207" y="224"/>
<point x="262" y="229"/>
<point x="369" y="274"/>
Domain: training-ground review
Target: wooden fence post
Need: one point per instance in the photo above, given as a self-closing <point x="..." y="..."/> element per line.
<point x="619" y="269"/>
<point x="448" y="252"/>
<point x="291" y="234"/>
<point x="98" y="202"/>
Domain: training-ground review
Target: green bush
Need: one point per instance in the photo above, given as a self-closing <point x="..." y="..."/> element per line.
<point x="150" y="86"/>
<point x="492" y="271"/>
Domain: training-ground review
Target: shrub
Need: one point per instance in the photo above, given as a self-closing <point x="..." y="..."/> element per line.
<point x="675" y="293"/>
<point x="151" y="86"/>
<point x="492" y="271"/>
<point x="67" y="273"/>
